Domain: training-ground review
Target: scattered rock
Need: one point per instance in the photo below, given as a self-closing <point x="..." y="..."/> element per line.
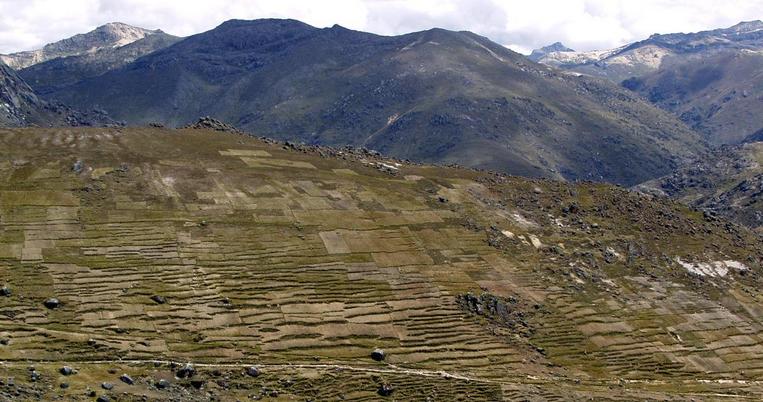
<point x="378" y="355"/>
<point x="66" y="370"/>
<point x="103" y="398"/>
<point x="5" y="291"/>
<point x="385" y="390"/>
<point x="159" y="299"/>
<point x="52" y="303"/>
<point x="162" y="384"/>
<point x="107" y="386"/>
<point x="34" y="376"/>
<point x="252" y="371"/>
<point x="127" y="379"/>
<point x="64" y="385"/>
<point x="209" y="123"/>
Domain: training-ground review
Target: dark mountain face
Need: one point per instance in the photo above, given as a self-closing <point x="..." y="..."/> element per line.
<point x="20" y="106"/>
<point x="436" y="96"/>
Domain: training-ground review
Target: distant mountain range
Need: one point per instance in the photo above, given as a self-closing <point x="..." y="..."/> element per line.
<point x="712" y="80"/>
<point x="433" y="96"/>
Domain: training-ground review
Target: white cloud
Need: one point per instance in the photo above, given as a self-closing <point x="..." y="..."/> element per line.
<point x="519" y="24"/>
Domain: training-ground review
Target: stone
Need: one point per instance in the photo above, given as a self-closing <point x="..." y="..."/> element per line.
<point x="5" y="341"/>
<point x="66" y="370"/>
<point x="252" y="371"/>
<point x="162" y="384"/>
<point x="103" y="398"/>
<point x="34" y="376"/>
<point x="378" y="355"/>
<point x="159" y="299"/>
<point x="5" y="291"/>
<point x="107" y="386"/>
<point x="52" y="303"/>
<point x="64" y="385"/>
<point x="127" y="379"/>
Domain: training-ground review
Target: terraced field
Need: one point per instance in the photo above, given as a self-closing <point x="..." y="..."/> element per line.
<point x="168" y="247"/>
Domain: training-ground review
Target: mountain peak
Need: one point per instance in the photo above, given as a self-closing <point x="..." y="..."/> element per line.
<point x="110" y="35"/>
<point x="537" y="54"/>
<point x="747" y="26"/>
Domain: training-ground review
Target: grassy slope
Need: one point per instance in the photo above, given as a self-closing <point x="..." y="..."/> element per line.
<point x="281" y="258"/>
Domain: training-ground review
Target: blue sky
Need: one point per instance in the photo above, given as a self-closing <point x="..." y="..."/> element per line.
<point x="519" y="24"/>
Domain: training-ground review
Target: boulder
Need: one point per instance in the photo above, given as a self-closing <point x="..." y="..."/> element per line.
<point x="52" y="303"/>
<point x="186" y="371"/>
<point x="385" y="390"/>
<point x="252" y="371"/>
<point x="378" y="355"/>
<point x="127" y="379"/>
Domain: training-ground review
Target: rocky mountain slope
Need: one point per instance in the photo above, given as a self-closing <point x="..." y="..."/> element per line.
<point x="197" y="265"/>
<point x="109" y="36"/>
<point x="712" y="80"/>
<point x="20" y="106"/>
<point x="436" y="96"/>
<point x="729" y="183"/>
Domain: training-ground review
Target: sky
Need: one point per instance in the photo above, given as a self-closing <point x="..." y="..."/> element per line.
<point x="521" y="25"/>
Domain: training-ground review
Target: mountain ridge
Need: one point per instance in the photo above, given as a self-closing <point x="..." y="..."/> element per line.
<point x="433" y="95"/>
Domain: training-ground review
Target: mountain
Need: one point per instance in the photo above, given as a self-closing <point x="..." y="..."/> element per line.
<point x="728" y="183"/>
<point x="20" y="106"/>
<point x="538" y="54"/>
<point x="197" y="265"/>
<point x="649" y="55"/>
<point x="112" y="35"/>
<point x="719" y="95"/>
<point x="432" y="96"/>
<point x="60" y="72"/>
